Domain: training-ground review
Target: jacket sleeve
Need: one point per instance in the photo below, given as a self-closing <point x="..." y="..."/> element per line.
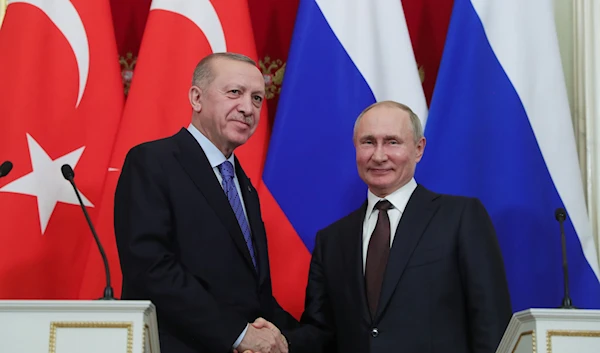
<point x="316" y="333"/>
<point x="483" y="276"/>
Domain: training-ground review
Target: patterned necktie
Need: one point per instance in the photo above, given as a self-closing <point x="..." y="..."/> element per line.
<point x="226" y="169"/>
<point x="377" y="255"/>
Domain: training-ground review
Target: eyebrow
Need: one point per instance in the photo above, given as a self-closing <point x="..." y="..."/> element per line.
<point x="244" y="88"/>
<point x="386" y="137"/>
<point x="235" y="86"/>
<point x="260" y="91"/>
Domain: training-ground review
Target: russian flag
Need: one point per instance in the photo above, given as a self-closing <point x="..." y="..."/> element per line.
<point x="344" y="56"/>
<point x="499" y="129"/>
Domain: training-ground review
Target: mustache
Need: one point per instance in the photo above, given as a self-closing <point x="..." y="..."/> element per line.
<point x="244" y="119"/>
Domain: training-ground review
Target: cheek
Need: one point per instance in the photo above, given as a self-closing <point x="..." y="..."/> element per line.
<point x="228" y="109"/>
<point x="362" y="157"/>
<point x="400" y="155"/>
<point x="252" y="129"/>
<point x="256" y="116"/>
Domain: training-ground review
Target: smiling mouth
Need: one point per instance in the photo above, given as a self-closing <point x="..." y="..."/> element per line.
<point x="242" y="122"/>
<point x="379" y="171"/>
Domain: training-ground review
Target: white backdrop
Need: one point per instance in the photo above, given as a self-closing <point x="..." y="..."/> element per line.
<point x="578" y="27"/>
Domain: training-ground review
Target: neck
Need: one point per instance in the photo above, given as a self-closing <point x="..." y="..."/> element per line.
<point x="219" y="144"/>
<point x="383" y="193"/>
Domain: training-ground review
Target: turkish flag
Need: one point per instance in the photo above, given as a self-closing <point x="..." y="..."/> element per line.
<point x="60" y="103"/>
<point x="178" y="35"/>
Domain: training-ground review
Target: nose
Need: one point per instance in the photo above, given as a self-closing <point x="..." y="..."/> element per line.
<point x="245" y="106"/>
<point x="379" y="154"/>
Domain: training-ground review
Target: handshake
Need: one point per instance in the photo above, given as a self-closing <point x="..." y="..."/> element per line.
<point x="262" y="337"/>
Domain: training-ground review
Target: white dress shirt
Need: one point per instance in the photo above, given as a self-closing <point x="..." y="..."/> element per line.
<point x="398" y="199"/>
<point x="215" y="158"/>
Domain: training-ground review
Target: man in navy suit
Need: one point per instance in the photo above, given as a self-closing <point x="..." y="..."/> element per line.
<point x="188" y="222"/>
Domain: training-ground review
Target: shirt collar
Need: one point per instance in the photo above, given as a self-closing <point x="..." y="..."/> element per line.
<point x="399" y="198"/>
<point x="213" y="154"/>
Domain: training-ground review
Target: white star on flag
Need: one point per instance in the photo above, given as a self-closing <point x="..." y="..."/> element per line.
<point x="46" y="181"/>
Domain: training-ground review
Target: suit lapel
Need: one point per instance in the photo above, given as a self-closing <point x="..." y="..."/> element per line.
<point x="256" y="225"/>
<point x="194" y="162"/>
<point x="354" y="262"/>
<point x="413" y="223"/>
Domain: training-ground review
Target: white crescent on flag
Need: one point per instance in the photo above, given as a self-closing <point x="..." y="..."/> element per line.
<point x="202" y="14"/>
<point x="66" y="18"/>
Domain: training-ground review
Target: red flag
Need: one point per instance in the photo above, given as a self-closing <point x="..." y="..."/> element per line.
<point x="129" y="18"/>
<point x="427" y="22"/>
<point x="273" y="24"/>
<point x="60" y="103"/>
<point x="178" y="35"/>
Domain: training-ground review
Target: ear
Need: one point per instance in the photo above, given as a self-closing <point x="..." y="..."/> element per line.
<point x="421" y="148"/>
<point x="195" y="95"/>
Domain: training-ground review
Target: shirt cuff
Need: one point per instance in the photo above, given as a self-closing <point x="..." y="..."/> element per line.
<point x="240" y="338"/>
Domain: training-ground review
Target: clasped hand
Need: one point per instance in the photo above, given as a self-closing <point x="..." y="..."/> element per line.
<point x="262" y="337"/>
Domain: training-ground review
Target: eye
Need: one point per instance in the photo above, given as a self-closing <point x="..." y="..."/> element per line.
<point x="235" y="91"/>
<point x="258" y="98"/>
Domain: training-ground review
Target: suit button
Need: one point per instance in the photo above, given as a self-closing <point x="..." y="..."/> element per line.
<point x="375" y="332"/>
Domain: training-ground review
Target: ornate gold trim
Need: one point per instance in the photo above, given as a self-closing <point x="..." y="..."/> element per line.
<point x="3" y="5"/>
<point x="146" y="333"/>
<point x="90" y="324"/>
<point x="127" y="63"/>
<point x="567" y="333"/>
<point x="273" y="71"/>
<point x="526" y="333"/>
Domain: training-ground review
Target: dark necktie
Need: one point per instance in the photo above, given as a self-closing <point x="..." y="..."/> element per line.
<point x="227" y="172"/>
<point x="377" y="255"/>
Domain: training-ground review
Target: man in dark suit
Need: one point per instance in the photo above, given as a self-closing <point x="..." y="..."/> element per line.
<point x="410" y="270"/>
<point x="188" y="223"/>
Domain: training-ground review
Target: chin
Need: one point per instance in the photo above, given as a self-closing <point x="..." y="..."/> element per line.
<point x="238" y="133"/>
<point x="239" y="139"/>
<point x="381" y="180"/>
<point x="380" y="184"/>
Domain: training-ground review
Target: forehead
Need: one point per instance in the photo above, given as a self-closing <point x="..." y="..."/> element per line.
<point x="229" y="71"/>
<point x="384" y="119"/>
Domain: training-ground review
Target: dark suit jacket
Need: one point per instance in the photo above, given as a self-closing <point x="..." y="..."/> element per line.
<point x="181" y="247"/>
<point x="444" y="288"/>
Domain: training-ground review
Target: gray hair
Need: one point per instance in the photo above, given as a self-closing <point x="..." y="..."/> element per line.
<point x="203" y="73"/>
<point x="414" y="119"/>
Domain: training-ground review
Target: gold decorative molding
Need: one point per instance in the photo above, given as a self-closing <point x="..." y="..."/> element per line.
<point x="145" y="334"/>
<point x="526" y="333"/>
<point x="3" y="5"/>
<point x="567" y="333"/>
<point x="90" y="324"/>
